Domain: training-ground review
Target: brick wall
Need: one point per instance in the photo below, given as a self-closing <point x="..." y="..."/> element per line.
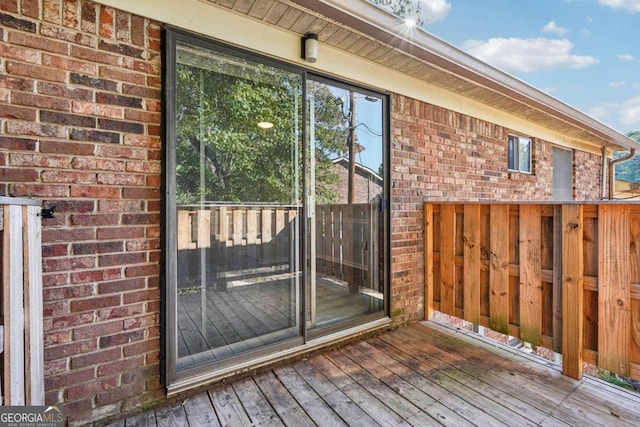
<point x="80" y="129"/>
<point x="440" y="154"/>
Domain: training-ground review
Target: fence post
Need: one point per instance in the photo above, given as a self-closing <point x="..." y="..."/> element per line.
<point x="572" y="290"/>
<point x="428" y="260"/>
<point x="447" y="258"/>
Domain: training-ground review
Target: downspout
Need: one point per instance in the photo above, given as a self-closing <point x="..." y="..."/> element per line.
<point x="612" y="167"/>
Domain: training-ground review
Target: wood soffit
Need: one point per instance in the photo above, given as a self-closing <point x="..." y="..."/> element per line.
<point x="364" y="30"/>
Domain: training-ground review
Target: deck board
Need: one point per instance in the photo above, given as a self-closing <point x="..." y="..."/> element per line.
<point x="419" y="375"/>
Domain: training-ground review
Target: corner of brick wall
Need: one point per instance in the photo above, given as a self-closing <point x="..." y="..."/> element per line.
<point x="438" y="154"/>
<point x="80" y="129"/>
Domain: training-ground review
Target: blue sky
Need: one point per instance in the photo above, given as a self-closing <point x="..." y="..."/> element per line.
<point x="585" y="53"/>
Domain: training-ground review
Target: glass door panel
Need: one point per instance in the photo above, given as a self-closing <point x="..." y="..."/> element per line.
<point x="345" y="185"/>
<point x="237" y="205"/>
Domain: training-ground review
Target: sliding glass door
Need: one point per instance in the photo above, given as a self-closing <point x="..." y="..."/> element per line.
<point x="345" y="206"/>
<point x="275" y="206"/>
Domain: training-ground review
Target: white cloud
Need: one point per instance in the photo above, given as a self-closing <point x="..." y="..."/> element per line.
<point x="527" y="55"/>
<point x="627" y="57"/>
<point x="626" y="114"/>
<point x="434" y="10"/>
<point x="552" y="27"/>
<point x="616" y="85"/>
<point x="630" y="5"/>
<point x="630" y="112"/>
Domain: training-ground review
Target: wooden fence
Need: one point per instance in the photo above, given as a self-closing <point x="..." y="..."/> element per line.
<point x="22" y="337"/>
<point x="249" y="236"/>
<point x="566" y="277"/>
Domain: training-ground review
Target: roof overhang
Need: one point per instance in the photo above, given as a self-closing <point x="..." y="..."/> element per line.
<point x="489" y="84"/>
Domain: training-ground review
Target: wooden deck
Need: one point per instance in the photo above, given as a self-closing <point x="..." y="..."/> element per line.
<point x="422" y="374"/>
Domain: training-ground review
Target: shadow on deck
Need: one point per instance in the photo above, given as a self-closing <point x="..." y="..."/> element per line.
<point x="422" y="374"/>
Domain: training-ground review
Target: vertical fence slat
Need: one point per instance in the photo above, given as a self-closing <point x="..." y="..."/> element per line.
<point x="471" y="279"/>
<point x="530" y="274"/>
<point x="447" y="258"/>
<point x="557" y="274"/>
<point x="428" y="260"/>
<point x="499" y="268"/>
<point x="572" y="290"/>
<point x="13" y="307"/>
<point x="614" y="293"/>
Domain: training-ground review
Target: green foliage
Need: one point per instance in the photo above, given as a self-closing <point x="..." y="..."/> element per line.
<point x="630" y="169"/>
<point x="403" y="9"/>
<point x="218" y="108"/>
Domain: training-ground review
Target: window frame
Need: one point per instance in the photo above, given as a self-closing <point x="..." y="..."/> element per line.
<point x="514" y="144"/>
<point x="177" y="381"/>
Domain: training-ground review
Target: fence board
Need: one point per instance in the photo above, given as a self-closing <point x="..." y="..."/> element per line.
<point x="572" y="290"/>
<point x="499" y="268"/>
<point x="447" y="258"/>
<point x="614" y="293"/>
<point x="428" y="261"/>
<point x="530" y="274"/>
<point x="471" y="280"/>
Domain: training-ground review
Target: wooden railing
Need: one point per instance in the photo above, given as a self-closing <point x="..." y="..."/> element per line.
<point x="22" y="337"/>
<point x="565" y="277"/>
<point x="249" y="236"/>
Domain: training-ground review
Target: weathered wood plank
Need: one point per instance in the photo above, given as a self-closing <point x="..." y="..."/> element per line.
<point x="572" y="290"/>
<point x="13" y="294"/>
<point x="614" y="310"/>
<point x="499" y="268"/>
<point x="471" y="279"/>
<point x="428" y="260"/>
<point x="317" y="409"/>
<point x="33" y="305"/>
<point x="145" y="419"/>
<point x="287" y="408"/>
<point x="557" y="277"/>
<point x="171" y="416"/>
<point x="530" y="274"/>
<point x="255" y="404"/>
<point x="229" y="409"/>
<point x="200" y="411"/>
<point x="447" y="258"/>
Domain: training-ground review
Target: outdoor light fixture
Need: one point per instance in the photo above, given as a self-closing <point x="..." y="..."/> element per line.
<point x="265" y="125"/>
<point x="310" y="47"/>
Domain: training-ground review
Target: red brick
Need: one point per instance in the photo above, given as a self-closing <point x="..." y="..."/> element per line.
<point x="70" y="13"/>
<point x="17" y="23"/>
<point x="69" y="64"/>
<point x="108" y="341"/>
<point x="37" y="129"/>
<point x="37" y="190"/>
<point x="68" y="177"/>
<point x="89" y="17"/>
<point x="141" y="140"/>
<point x="141" y="91"/>
<point x="138" y="30"/>
<point x="16" y="84"/>
<point x="71" y="148"/>
<point x="141" y="296"/>
<point x="141" y="193"/>
<point x="142" y="245"/>
<point x="71" y="320"/>
<point x="91" y="219"/>
<point x="52" y="11"/>
<point x="70" y="349"/>
<point x="121" y="259"/>
<point x="95" y="303"/>
<point x="121" y="312"/>
<point x="76" y="38"/>
<point x="18" y="175"/>
<point x="55" y="338"/>
<point x="67" y="264"/>
<point x="97" y="247"/>
<point x="70" y="378"/>
<point x="120" y="232"/>
<point x="97" y="330"/>
<point x="95" y="192"/>
<point x="98" y="164"/>
<point x="67" y="234"/>
<point x="147" y="270"/>
<point x="121" y="179"/>
<point x="48" y="102"/>
<point x="30" y="8"/>
<point x="9" y="5"/>
<point x="55" y="308"/>
<point x="92" y="55"/>
<point x="13" y="112"/>
<point x="36" y="72"/>
<point x="120" y="206"/>
<point x="91" y="387"/>
<point x="19" y="53"/>
<point x="97" y="109"/>
<point x="67" y="292"/>
<point x="119" y="394"/>
<point x="142" y="347"/>
<point x="106" y="22"/>
<point x="33" y="159"/>
<point x="55" y="250"/>
<point x="53" y="367"/>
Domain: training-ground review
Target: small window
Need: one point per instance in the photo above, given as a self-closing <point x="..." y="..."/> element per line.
<point x="519" y="154"/>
